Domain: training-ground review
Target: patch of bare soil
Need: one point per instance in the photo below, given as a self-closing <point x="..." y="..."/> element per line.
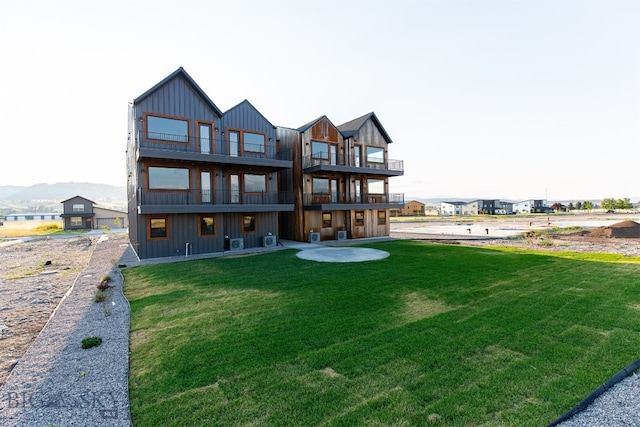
<point x="621" y="238"/>
<point x="620" y="230"/>
<point x="34" y="276"/>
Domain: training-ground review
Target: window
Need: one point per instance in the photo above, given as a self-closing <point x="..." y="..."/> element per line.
<point x="359" y="218"/>
<point x="253" y="142"/>
<point x="382" y="217"/>
<point x="319" y="150"/>
<point x="234" y="188"/>
<point x="207" y="226"/>
<point x="248" y="223"/>
<point x="250" y="142"/>
<point x="234" y="143"/>
<point x="205" y="187"/>
<point x="375" y="186"/>
<point x="167" y="129"/>
<point x="357" y="156"/>
<point x="320" y="185"/>
<point x="78" y="207"/>
<point x="161" y="178"/>
<point x="157" y="228"/>
<point x="75" y="221"/>
<point x="255" y="183"/>
<point x="375" y="155"/>
<point x="204" y="134"/>
<point x="326" y="219"/>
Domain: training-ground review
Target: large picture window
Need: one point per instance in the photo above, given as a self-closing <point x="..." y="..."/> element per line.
<point x="320" y="185"/>
<point x="163" y="178"/>
<point x="319" y="150"/>
<point x="76" y="221"/>
<point x="375" y="186"/>
<point x="157" y="228"/>
<point x="167" y="129"/>
<point x="375" y="155"/>
<point x="253" y="142"/>
<point x="254" y="183"/>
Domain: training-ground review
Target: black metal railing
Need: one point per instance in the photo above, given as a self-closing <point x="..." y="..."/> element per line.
<point x="370" y="162"/>
<point x="212" y="197"/>
<point x="208" y="146"/>
<point x="310" y="199"/>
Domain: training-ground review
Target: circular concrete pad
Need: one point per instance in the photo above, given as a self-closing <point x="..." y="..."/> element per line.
<point x="329" y="254"/>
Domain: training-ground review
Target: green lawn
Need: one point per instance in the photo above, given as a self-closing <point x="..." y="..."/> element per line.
<point x="433" y="335"/>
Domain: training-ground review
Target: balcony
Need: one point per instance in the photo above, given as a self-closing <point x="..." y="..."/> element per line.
<point x="348" y="201"/>
<point x="208" y="201"/>
<point x="181" y="147"/>
<point x="333" y="162"/>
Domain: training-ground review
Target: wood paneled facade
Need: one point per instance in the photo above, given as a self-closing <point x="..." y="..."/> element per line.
<point x="200" y="179"/>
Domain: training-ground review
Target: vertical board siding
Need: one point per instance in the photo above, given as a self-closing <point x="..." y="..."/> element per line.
<point x="244" y="116"/>
<point x="177" y="97"/>
<point x="184" y="228"/>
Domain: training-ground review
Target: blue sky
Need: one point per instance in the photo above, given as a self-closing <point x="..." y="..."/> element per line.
<point x="507" y="99"/>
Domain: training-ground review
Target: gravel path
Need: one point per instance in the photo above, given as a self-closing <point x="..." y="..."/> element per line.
<point x="56" y="382"/>
<point x="617" y="407"/>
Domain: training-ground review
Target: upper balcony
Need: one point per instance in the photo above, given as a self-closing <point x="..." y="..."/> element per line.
<point x="348" y="201"/>
<point x="207" y="201"/>
<point x="334" y="162"/>
<point x="182" y="147"/>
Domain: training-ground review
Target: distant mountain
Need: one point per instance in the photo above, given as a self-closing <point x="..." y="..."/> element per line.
<point x="65" y="190"/>
<point x="8" y="190"/>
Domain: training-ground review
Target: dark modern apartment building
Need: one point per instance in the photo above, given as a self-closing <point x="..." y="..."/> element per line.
<point x="203" y="181"/>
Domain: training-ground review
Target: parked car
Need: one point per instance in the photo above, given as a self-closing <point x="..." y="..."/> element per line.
<point x="611" y="211"/>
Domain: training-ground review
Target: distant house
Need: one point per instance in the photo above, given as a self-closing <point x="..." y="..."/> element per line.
<point x="532" y="206"/>
<point x="28" y="216"/>
<point x="452" y="208"/>
<point x="413" y="208"/>
<point x="80" y="213"/>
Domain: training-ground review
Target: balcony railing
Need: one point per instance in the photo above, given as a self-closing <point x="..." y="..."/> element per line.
<point x="310" y="199"/>
<point x="209" y="197"/>
<point x="220" y="146"/>
<point x="370" y="162"/>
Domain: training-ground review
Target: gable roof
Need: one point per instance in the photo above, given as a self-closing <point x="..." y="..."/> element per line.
<point x="180" y="72"/>
<point x="352" y="127"/>
<point x="305" y="127"/>
<point x="79" y="197"/>
<point x="246" y="102"/>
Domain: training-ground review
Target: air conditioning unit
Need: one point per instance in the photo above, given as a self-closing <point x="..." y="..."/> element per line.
<point x="236" y="244"/>
<point x="341" y="235"/>
<point x="269" y="241"/>
<point x="314" y="237"/>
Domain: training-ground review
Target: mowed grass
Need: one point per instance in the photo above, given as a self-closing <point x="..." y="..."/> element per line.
<point x="433" y="335"/>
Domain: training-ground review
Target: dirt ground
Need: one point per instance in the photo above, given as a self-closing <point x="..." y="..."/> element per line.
<point x="36" y="274"/>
